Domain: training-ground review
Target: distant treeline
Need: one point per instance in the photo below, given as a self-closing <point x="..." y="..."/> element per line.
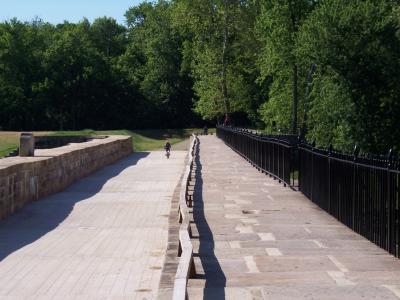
<point x="327" y="69"/>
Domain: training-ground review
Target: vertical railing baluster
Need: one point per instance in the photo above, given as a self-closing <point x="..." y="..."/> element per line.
<point x="389" y="202"/>
<point x="353" y="200"/>
<point x="329" y="178"/>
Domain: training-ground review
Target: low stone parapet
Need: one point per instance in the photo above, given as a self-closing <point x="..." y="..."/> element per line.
<point x="26" y="179"/>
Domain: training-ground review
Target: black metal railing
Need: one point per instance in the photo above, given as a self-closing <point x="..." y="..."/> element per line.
<point x="274" y="155"/>
<point x="361" y="191"/>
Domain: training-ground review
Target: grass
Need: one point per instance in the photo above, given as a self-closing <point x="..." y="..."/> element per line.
<point x="143" y="140"/>
<point x="8" y="142"/>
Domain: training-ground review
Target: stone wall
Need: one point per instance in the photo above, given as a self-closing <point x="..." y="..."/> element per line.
<point x="26" y="179"/>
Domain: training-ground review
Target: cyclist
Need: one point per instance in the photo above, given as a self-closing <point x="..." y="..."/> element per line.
<point x="167" y="148"/>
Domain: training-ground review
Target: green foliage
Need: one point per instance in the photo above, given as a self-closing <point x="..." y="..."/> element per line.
<point x="179" y="62"/>
<point x="108" y="37"/>
<point x="278" y="27"/>
<point x="277" y="111"/>
<point x="72" y="76"/>
<point x="355" y="47"/>
<point x="21" y="48"/>
<point x="330" y="113"/>
<point x="153" y="61"/>
<point x="220" y="54"/>
<point x="353" y="96"/>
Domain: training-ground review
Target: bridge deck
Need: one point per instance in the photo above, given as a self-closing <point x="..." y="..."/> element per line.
<point x="103" y="238"/>
<point x="255" y="239"/>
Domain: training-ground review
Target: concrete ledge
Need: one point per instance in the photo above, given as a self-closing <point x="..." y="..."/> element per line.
<point x="186" y="267"/>
<point x="26" y="179"/>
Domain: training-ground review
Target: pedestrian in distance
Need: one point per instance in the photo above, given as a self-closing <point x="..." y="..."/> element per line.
<point x="205" y="130"/>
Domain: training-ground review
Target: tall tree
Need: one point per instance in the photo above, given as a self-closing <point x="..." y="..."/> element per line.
<point x="356" y="47"/>
<point x="278" y="27"/>
<point x="155" y="51"/>
<point x="108" y="37"/>
<point x="219" y="35"/>
<point x="21" y="48"/>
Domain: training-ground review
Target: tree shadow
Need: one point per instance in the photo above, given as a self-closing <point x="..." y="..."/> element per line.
<point x="213" y="274"/>
<point x="38" y="218"/>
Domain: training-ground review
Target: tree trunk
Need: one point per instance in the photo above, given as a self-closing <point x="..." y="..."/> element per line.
<point x="295" y="100"/>
<point x="292" y="9"/>
<point x="224" y="64"/>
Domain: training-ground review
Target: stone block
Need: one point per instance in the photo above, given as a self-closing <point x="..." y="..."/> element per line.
<point x="26" y="145"/>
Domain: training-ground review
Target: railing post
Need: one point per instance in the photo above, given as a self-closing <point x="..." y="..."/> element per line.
<point x="330" y="149"/>
<point x="353" y="198"/>
<point x="299" y="155"/>
<point x="389" y="203"/>
<point x="312" y="171"/>
<point x="296" y="163"/>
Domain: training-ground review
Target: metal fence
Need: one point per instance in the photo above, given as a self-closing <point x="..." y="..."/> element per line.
<point x="363" y="192"/>
<point x="274" y="155"/>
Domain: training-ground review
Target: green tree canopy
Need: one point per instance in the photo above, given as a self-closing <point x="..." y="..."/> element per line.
<point x="328" y="69"/>
<point x="355" y="47"/>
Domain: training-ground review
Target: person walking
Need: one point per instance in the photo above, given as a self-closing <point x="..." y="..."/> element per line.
<point x="205" y="130"/>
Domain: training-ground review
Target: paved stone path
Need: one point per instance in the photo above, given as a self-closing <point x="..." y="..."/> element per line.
<point x="255" y="239"/>
<point x="102" y="238"/>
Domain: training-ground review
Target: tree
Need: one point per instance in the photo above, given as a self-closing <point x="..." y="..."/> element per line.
<point x="257" y="63"/>
<point x="278" y="26"/>
<point x="21" y="48"/>
<point x="356" y="49"/>
<point x="219" y="52"/>
<point x="154" y="57"/>
<point x="70" y="63"/>
<point x="108" y="37"/>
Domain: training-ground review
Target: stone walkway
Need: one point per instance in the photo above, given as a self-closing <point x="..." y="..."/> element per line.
<point x="102" y="238"/>
<point x="255" y="239"/>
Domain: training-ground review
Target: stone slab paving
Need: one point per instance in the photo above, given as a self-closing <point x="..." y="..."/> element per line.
<point x="255" y="239"/>
<point x="103" y="238"/>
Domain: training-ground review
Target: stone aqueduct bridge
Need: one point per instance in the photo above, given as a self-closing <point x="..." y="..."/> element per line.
<point x="96" y="221"/>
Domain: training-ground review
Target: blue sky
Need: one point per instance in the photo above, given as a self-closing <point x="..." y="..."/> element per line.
<point x="56" y="11"/>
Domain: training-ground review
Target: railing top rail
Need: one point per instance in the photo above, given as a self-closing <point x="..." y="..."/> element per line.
<point x="284" y="140"/>
<point x="364" y="160"/>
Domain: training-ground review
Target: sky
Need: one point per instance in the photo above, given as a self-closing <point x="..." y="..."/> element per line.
<point x="56" y="11"/>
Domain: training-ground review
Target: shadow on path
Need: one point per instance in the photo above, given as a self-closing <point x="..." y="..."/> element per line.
<point x="214" y="276"/>
<point x="37" y="219"/>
